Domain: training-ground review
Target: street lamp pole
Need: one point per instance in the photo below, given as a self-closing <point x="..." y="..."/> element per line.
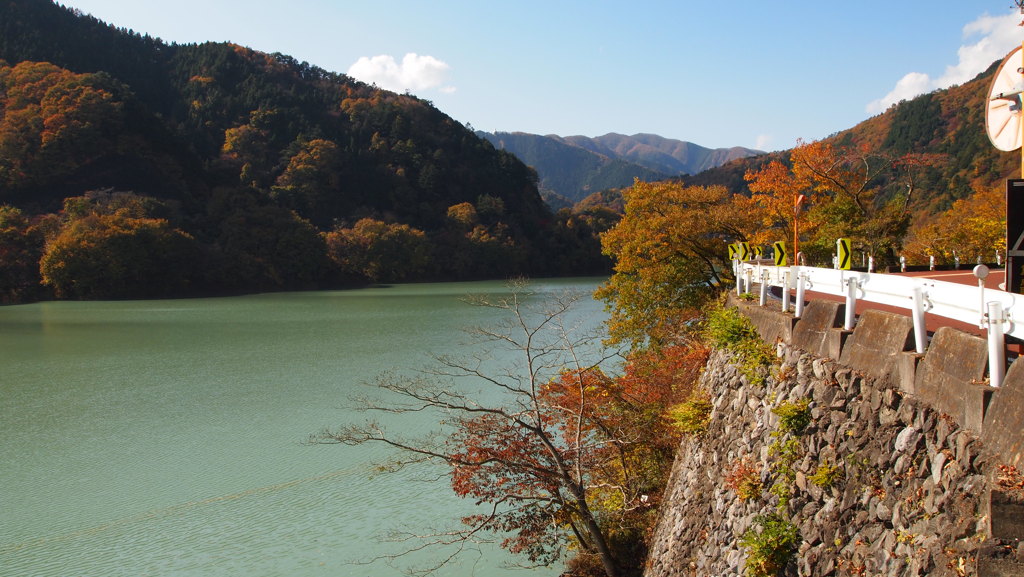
<point x="797" y="203"/>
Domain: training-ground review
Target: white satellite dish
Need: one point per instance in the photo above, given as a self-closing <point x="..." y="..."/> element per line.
<point x="1003" y="111"/>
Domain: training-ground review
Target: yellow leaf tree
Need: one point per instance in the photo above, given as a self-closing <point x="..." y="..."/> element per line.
<point x="670" y="251"/>
<point x="972" y="227"/>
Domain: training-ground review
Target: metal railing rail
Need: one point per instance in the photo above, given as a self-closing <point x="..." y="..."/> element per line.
<point x="1000" y="313"/>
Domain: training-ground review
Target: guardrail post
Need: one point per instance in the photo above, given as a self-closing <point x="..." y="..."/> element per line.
<point x="737" y="269"/>
<point x="981" y="273"/>
<point x="785" y="292"/>
<point x="871" y="264"/>
<point x="764" y="287"/>
<point x="851" y="303"/>
<point x="931" y="262"/>
<point x="903" y="264"/>
<point x="748" y="279"/>
<point x="799" y="295"/>
<point x="917" y="312"/>
<point x="996" y="345"/>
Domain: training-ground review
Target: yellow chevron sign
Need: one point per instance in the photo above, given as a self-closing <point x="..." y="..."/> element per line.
<point x="744" y="250"/>
<point x="781" y="256"/>
<point x="732" y="251"/>
<point x="845" y="253"/>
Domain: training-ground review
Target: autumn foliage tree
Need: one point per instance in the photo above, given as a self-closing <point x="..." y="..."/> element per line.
<point x="841" y="185"/>
<point x="53" y="121"/>
<point x="973" y="227"/>
<point x="107" y="247"/>
<point x="776" y="195"/>
<point x="21" y="247"/>
<point x="380" y="251"/>
<point x="670" y="252"/>
<point x="311" y="184"/>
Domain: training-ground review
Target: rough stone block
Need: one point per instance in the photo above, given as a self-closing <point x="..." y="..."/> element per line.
<point x="812" y="330"/>
<point x="772" y="325"/>
<point x="977" y="400"/>
<point x="876" y="343"/>
<point x="1003" y="433"/>
<point x="835" y="341"/>
<point x="1007" y="517"/>
<point x="908" y="363"/>
<point x="953" y="361"/>
<point x="998" y="564"/>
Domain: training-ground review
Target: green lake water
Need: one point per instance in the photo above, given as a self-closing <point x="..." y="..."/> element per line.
<point x="167" y="437"/>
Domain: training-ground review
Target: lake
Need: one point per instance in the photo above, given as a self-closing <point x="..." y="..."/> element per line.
<point x="168" y="437"/>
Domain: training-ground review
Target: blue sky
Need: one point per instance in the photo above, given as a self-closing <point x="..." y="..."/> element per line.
<point x="719" y="74"/>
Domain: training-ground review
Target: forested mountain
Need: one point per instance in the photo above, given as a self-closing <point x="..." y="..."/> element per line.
<point x="574" y="167"/>
<point x="942" y="131"/>
<point x="254" y="160"/>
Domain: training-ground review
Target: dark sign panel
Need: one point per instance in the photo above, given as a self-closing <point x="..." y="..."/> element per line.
<point x="1014" y="233"/>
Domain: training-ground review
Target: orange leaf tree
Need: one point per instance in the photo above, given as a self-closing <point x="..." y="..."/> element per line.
<point x="53" y="121"/>
<point x="842" y="186"/>
<point x="775" y="192"/>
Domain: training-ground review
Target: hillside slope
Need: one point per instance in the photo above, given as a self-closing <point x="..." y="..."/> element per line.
<point x="947" y="123"/>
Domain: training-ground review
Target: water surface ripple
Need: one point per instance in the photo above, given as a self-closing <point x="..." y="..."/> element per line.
<point x="166" y="437"/>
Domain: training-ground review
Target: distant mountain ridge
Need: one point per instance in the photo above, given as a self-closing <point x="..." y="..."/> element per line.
<point x="574" y="167"/>
<point x="673" y="157"/>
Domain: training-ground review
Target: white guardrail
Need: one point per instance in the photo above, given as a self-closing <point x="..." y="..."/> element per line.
<point x="999" y="312"/>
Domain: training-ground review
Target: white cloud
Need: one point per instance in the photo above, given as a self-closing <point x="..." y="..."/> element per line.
<point x="763" y="142"/>
<point x="415" y="73"/>
<point x="908" y="87"/>
<point x="999" y="34"/>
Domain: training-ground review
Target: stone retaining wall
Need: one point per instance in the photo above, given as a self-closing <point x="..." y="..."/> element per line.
<point x="913" y="473"/>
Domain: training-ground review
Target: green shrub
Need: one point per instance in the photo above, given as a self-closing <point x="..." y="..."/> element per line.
<point x="826" y="475"/>
<point x="726" y="328"/>
<point x="770" y="549"/>
<point x="693" y="415"/>
<point x="787" y="452"/>
<point x="793" y="417"/>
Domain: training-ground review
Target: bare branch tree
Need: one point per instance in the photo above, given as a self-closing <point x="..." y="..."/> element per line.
<point x="509" y="438"/>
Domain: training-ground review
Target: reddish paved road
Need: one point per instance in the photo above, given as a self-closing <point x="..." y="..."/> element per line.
<point x="995" y="277"/>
